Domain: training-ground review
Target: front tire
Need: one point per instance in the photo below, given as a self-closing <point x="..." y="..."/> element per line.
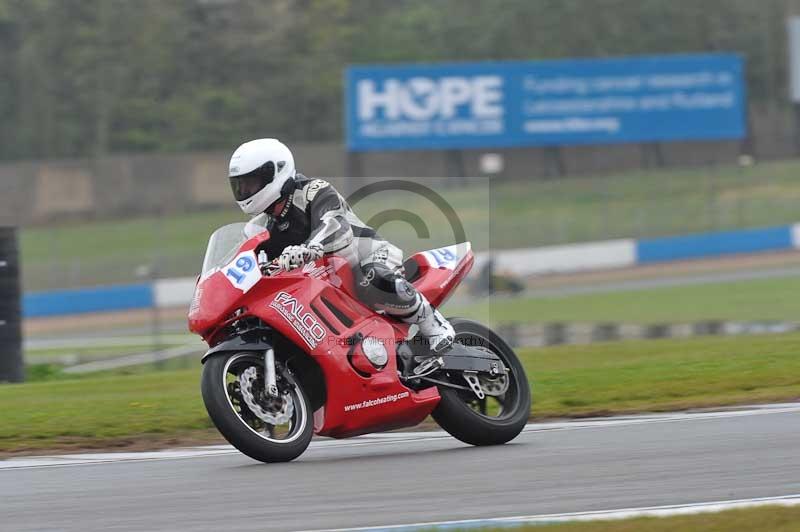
<point x="462" y="415"/>
<point x="244" y="429"/>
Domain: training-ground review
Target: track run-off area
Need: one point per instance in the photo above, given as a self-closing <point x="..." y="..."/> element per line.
<point x="580" y="469"/>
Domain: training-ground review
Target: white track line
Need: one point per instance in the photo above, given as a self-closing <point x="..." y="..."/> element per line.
<point x="669" y="417"/>
<point x="390" y="438"/>
<point x="68" y="460"/>
<point x="602" y="515"/>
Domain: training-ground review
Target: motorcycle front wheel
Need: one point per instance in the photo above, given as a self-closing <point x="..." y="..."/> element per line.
<point x="497" y="418"/>
<point x="264" y="428"/>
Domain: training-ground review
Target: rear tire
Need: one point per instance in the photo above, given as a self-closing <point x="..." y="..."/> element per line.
<point x="255" y="444"/>
<point x="454" y="414"/>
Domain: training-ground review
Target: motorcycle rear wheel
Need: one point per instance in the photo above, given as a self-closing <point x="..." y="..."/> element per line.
<point x="222" y="395"/>
<point x="475" y="421"/>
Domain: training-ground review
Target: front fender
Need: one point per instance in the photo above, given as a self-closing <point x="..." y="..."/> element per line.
<point x="244" y="342"/>
<point x="302" y="365"/>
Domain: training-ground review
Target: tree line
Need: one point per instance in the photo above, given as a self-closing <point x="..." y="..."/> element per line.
<point x="92" y="77"/>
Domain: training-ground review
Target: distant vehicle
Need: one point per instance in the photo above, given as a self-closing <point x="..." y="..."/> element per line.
<point x="294" y="353"/>
<point x="489" y="282"/>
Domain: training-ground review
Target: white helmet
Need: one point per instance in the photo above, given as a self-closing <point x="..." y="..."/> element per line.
<point x="257" y="173"/>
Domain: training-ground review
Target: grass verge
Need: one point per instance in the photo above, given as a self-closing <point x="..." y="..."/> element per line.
<point x="761" y="519"/>
<point x="756" y="300"/>
<point x="104" y="410"/>
<point x="112" y="409"/>
<point x="661" y="375"/>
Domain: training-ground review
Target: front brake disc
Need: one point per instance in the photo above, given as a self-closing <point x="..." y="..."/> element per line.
<point x="272" y="416"/>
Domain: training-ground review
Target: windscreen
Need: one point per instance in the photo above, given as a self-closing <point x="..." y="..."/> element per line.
<point x="225" y="242"/>
<point x="222" y="246"/>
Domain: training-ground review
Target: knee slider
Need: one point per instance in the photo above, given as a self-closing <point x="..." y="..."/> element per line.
<point x="385" y="288"/>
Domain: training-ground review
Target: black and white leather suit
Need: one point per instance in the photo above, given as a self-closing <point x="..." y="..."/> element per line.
<point x="316" y="215"/>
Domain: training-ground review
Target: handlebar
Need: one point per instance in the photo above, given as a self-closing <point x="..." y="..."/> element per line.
<point x="271" y="268"/>
<point x="267" y="267"/>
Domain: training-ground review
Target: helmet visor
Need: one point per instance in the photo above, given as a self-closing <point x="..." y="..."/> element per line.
<point x="247" y="185"/>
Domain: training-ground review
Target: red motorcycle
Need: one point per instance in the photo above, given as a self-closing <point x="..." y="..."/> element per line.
<point x="294" y="353"/>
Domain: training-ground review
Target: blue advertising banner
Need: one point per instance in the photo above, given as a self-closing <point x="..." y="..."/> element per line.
<point x="539" y="103"/>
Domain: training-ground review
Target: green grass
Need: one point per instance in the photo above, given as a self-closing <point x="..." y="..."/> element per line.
<point x="503" y="215"/>
<point x="567" y="381"/>
<point x="756" y="300"/>
<point x="761" y="519"/>
<point x="112" y="251"/>
<point x="100" y="408"/>
<point x="663" y="374"/>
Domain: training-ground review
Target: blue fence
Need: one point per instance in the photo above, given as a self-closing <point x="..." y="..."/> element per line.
<point x="663" y="249"/>
<point x="562" y="102"/>
<point x="83" y="300"/>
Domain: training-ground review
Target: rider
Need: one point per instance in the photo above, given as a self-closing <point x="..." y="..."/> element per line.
<point x="307" y="218"/>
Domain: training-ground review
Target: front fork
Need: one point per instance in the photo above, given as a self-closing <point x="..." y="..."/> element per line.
<point x="270" y="384"/>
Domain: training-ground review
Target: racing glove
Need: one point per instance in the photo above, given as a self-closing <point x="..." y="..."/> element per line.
<point x="295" y="256"/>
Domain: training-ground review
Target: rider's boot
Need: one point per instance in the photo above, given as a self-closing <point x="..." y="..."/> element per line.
<point x="432" y="325"/>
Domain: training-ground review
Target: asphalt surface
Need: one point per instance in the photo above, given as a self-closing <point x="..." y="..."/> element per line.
<point x="407" y="478"/>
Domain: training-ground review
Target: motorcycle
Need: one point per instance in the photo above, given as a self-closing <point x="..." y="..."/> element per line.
<point x="295" y="353"/>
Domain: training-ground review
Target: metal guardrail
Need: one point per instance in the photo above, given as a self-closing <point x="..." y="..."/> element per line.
<point x="548" y="334"/>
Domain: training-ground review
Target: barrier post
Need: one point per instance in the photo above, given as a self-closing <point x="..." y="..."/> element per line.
<point x="11" y="366"/>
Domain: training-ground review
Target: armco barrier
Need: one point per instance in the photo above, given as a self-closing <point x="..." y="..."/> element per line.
<point x="567" y="258"/>
<point x="173" y="292"/>
<point x="535" y="261"/>
<point x="544" y="334"/>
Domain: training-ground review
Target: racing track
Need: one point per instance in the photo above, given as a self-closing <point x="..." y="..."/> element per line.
<point x="406" y="478"/>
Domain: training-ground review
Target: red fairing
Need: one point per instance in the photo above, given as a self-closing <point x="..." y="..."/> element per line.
<point x="314" y="308"/>
<point x="214" y="299"/>
<point x="255" y="241"/>
<point x="442" y="270"/>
